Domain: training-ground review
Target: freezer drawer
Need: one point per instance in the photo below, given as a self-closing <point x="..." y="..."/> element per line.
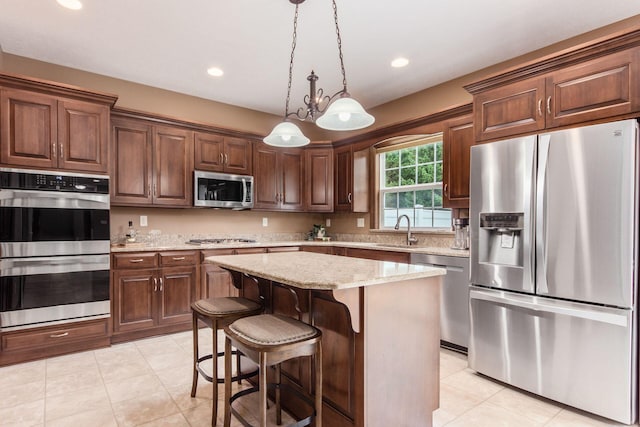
<point x="577" y="354"/>
<point x="454" y="298"/>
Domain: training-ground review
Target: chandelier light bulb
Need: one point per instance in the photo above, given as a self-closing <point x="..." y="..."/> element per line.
<point x="286" y="138"/>
<point x="344" y="116"/>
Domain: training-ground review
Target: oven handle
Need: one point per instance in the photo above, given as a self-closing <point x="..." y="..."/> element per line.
<point x="49" y="265"/>
<point x="52" y="199"/>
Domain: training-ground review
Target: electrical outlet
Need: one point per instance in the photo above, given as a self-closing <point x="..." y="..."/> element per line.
<point x="143" y="221"/>
<point x="265" y="222"/>
<point x="327" y="222"/>
<point x="360" y="222"/>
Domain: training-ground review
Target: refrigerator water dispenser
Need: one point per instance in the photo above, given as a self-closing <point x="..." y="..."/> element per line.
<point x="500" y="239"/>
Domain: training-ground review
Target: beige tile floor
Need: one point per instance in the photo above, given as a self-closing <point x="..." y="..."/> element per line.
<point x="148" y="383"/>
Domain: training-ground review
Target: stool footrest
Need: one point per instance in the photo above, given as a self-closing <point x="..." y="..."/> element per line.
<point x="239" y="375"/>
<point x="300" y="423"/>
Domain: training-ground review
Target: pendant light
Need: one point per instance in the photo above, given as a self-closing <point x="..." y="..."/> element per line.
<point x="337" y="112"/>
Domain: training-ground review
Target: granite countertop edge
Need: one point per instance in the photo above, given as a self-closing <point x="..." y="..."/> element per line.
<point x="429" y="250"/>
<point x="292" y="270"/>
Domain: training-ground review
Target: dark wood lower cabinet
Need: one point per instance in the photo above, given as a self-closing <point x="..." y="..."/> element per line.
<point x="152" y="293"/>
<point x="38" y="343"/>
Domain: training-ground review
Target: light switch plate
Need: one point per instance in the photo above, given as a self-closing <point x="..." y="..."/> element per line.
<point x="360" y="222"/>
<point x="327" y="222"/>
<point x="143" y="221"/>
<point x="265" y="222"/>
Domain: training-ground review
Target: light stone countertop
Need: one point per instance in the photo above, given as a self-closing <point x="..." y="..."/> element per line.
<point x="308" y="270"/>
<point x="175" y="246"/>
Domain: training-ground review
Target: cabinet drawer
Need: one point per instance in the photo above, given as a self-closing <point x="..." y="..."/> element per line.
<point x="241" y="251"/>
<point x="284" y="249"/>
<point x="135" y="260"/>
<point x="178" y="258"/>
<point x="215" y="252"/>
<point x="54" y="335"/>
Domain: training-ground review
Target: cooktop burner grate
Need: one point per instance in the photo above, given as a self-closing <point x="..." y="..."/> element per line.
<point x="218" y="241"/>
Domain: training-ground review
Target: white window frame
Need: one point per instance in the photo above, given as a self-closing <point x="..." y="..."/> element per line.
<point x="444" y="223"/>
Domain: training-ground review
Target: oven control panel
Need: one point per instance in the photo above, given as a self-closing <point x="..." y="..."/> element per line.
<point x="51" y="181"/>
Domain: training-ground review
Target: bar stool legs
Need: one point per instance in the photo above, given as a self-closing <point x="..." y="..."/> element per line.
<point x="270" y="340"/>
<point x="217" y="313"/>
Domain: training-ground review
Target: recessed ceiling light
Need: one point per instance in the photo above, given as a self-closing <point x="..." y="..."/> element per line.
<point x="215" y="72"/>
<point x="70" y="4"/>
<point x="399" y="62"/>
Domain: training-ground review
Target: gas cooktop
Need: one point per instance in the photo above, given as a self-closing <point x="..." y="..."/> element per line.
<point x="218" y="241"/>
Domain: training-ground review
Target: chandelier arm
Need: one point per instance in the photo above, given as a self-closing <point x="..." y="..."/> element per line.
<point x="293" y="50"/>
<point x="301" y="114"/>
<point x="344" y="74"/>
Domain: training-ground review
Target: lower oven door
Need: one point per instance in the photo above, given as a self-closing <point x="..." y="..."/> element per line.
<point x="39" y="291"/>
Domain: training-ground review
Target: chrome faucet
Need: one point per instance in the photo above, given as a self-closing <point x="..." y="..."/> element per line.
<point x="410" y="239"/>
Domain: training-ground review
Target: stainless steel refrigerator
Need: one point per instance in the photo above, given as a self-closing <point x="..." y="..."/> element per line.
<point x="553" y="267"/>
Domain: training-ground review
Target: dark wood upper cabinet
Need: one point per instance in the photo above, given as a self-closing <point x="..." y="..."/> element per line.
<point x="50" y="132"/>
<point x="351" y="179"/>
<point x="217" y="153"/>
<point x="173" y="166"/>
<point x="279" y="178"/>
<point x="152" y="165"/>
<point x="458" y="138"/>
<point x="576" y="91"/>
<point x="319" y="180"/>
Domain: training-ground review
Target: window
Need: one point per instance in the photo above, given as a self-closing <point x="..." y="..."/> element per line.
<point x="411" y="184"/>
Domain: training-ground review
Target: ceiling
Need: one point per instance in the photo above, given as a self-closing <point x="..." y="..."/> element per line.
<point x="170" y="44"/>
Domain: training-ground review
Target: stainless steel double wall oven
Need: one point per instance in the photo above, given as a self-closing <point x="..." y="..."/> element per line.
<point x="54" y="248"/>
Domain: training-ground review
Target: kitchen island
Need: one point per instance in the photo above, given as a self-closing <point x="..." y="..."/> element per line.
<point x="380" y="325"/>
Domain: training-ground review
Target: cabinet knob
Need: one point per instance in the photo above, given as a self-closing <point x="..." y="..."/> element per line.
<point x="161" y="284"/>
<point x="349" y="197"/>
<point x="446" y="190"/>
<point x="61" y="151"/>
<point x="226" y="159"/>
<point x="178" y="258"/>
<point x="53" y="149"/>
<point x="135" y="261"/>
<point x="155" y="284"/>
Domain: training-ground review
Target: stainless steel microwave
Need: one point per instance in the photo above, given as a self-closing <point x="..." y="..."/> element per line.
<point x="222" y="190"/>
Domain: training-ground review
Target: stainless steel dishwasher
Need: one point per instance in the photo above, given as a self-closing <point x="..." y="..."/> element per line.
<point x="454" y="298"/>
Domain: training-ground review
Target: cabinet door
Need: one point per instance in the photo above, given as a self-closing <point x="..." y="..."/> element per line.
<point x="131" y="163"/>
<point x="28" y="129"/>
<point x="457" y="141"/>
<point x="208" y="152"/>
<point x="291" y="170"/>
<point x="343" y="179"/>
<point x="134" y="299"/>
<point x="217" y="282"/>
<point x="238" y="156"/>
<point x="267" y="190"/>
<point x="601" y="88"/>
<point x="319" y="182"/>
<point x="177" y="290"/>
<point x="173" y="166"/>
<point x="83" y="130"/>
<point x="509" y="110"/>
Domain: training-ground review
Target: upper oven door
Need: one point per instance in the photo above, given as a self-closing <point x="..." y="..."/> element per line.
<point x="37" y="223"/>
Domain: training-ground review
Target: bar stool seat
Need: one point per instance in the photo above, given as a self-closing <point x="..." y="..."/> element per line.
<point x="269" y="340"/>
<point x="217" y="313"/>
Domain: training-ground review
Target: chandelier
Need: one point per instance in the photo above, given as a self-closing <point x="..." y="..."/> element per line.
<point x="337" y="112"/>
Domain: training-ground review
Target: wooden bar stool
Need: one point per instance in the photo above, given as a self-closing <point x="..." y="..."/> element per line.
<point x="217" y="313"/>
<point x="268" y="340"/>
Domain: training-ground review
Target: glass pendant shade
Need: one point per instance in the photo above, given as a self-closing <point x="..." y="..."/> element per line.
<point x="345" y="113"/>
<point x="286" y="134"/>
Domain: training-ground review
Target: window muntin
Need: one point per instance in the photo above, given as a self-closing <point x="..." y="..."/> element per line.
<point x="411" y="184"/>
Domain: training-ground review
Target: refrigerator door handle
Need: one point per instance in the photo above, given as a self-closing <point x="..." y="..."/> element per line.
<point x="537" y="306"/>
<point x="541" y="215"/>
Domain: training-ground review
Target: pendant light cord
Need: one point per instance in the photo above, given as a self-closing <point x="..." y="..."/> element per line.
<point x="293" y="50"/>
<point x="335" y="18"/>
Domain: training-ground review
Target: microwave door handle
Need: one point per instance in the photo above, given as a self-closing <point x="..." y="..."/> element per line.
<point x="244" y="190"/>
